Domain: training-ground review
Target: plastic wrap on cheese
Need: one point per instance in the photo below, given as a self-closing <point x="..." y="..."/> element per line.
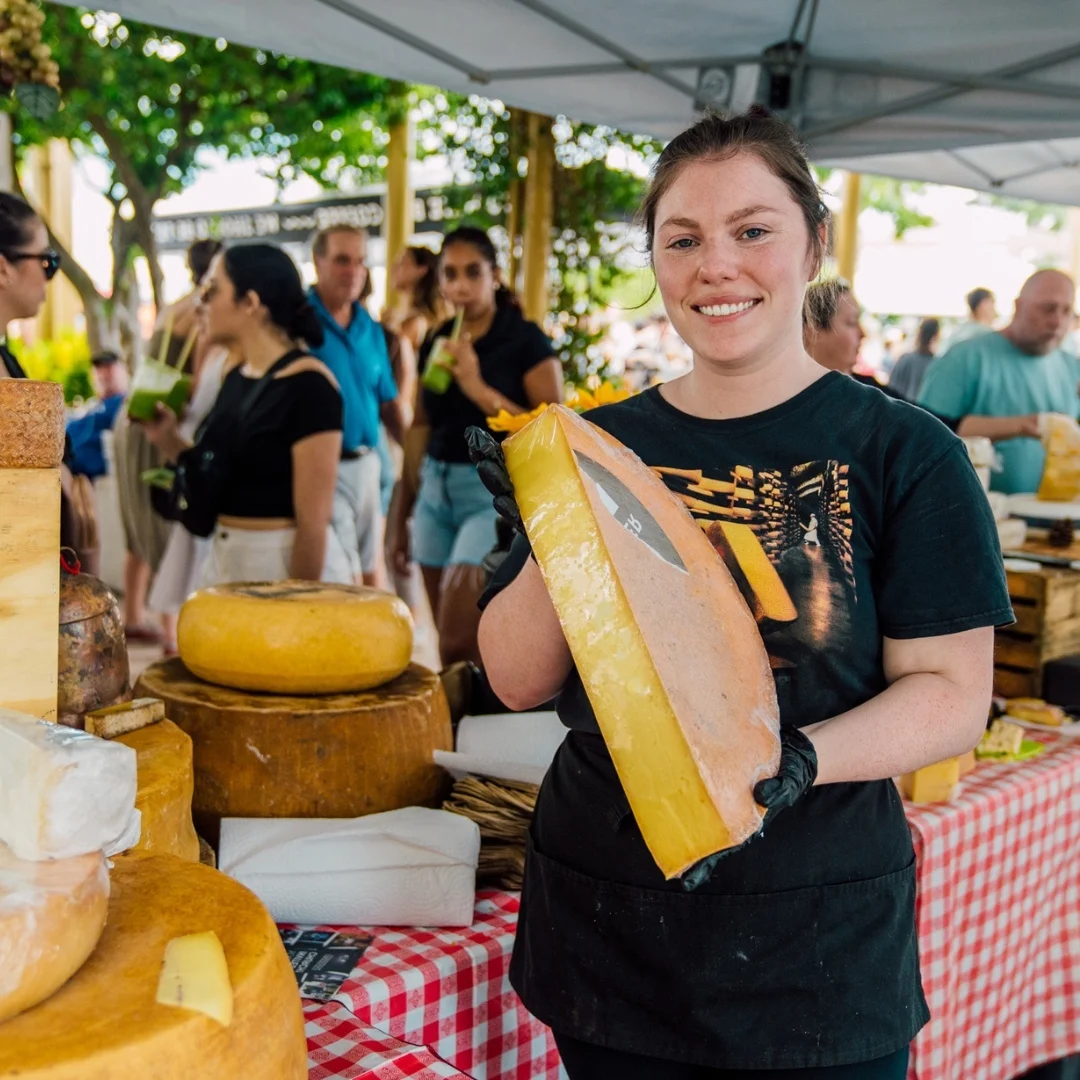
<point x="1061" y="472"/>
<point x="666" y="646"/>
<point x="51" y="916"/>
<point x="63" y="792"/>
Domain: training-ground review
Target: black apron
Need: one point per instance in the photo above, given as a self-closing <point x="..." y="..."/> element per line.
<point x="803" y="977"/>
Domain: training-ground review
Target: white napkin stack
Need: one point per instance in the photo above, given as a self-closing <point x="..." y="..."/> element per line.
<point x="411" y="867"/>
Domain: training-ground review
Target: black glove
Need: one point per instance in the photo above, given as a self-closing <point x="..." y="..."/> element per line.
<point x="487" y="456"/>
<point x="795" y="777"/>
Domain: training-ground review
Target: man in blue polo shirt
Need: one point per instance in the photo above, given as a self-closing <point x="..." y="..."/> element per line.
<point x="355" y="351"/>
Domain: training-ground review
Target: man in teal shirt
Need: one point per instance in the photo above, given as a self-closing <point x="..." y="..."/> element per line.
<point x="1019" y="372"/>
<point x="354" y="350"/>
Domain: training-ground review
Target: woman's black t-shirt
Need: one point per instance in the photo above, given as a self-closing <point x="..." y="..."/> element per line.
<point x="290" y="408"/>
<point x="800" y="950"/>
<point x="511" y="348"/>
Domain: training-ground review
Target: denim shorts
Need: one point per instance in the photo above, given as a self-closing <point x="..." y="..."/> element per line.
<point x="454" y="521"/>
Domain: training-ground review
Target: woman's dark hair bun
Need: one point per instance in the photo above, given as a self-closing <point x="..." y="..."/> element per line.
<point x="306" y="326"/>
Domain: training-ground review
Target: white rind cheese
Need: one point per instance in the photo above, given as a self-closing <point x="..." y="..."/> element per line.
<point x="63" y="792"/>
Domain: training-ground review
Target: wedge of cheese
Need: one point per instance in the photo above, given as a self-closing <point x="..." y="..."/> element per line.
<point x="1061" y="472"/>
<point x="667" y="649"/>
<point x="51" y="916"/>
<point x="1001" y="740"/>
<point x="115" y="720"/>
<point x="64" y="792"/>
<point x="166" y="784"/>
<point x="106" y="1022"/>
<point x="1035" y="711"/>
<point x="932" y="783"/>
<point x="195" y="975"/>
<point x="295" y="637"/>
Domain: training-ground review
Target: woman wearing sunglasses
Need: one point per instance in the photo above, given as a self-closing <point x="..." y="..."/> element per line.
<point x="27" y="265"/>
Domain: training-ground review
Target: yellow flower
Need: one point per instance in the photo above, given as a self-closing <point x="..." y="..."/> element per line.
<point x="581" y="400"/>
<point x="509" y="422"/>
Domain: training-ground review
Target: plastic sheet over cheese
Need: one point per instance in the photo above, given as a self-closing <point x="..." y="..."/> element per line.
<point x="667" y="648"/>
<point x="51" y="916"/>
<point x="63" y="792"/>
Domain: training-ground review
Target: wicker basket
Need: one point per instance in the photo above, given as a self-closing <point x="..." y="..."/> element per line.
<point x="503" y="810"/>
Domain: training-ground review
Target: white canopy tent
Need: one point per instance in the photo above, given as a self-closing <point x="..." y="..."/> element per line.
<point x="982" y="93"/>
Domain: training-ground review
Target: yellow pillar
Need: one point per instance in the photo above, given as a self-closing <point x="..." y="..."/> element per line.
<point x="515" y="194"/>
<point x="1074" y="226"/>
<point x="399" y="196"/>
<point x="51" y="171"/>
<point x="847" y="227"/>
<point x="536" y="239"/>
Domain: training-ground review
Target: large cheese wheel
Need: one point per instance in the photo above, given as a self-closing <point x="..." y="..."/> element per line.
<point x="339" y="755"/>
<point x="51" y="916"/>
<point x="166" y="786"/>
<point x="666" y="646"/>
<point x="295" y="637"/>
<point x="105" y="1024"/>
<point x="31" y="424"/>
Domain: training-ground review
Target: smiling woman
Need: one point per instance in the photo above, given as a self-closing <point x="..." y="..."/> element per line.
<point x="861" y="537"/>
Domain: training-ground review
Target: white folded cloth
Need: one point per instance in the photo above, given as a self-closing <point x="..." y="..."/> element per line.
<point x="411" y="867"/>
<point x="510" y="746"/>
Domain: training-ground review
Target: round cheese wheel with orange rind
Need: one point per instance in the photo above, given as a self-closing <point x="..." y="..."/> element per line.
<point x="295" y="637"/>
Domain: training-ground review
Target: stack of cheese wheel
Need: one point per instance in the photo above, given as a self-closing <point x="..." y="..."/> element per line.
<point x="301" y="702"/>
<point x="107" y="1023"/>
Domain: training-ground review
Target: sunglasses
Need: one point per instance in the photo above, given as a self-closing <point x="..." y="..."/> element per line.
<point x="50" y="260"/>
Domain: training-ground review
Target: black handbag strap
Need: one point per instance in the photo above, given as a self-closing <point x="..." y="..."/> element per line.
<point x="251" y="399"/>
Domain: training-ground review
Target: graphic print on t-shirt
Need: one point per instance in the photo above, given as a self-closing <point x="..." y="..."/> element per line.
<point x="786" y="538"/>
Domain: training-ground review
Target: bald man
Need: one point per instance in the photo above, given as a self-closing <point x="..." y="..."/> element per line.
<point x="998" y="383"/>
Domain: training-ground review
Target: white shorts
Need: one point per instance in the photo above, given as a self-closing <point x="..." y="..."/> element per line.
<point x="357" y="517"/>
<point x="265" y="555"/>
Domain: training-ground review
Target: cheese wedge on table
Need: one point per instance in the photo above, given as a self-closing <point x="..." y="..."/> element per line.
<point x="295" y="637"/>
<point x="932" y="783"/>
<point x="51" y="916"/>
<point x="1035" y="711"/>
<point x="195" y="975"/>
<point x="64" y="792"/>
<point x="115" y="720"/>
<point x="1002" y="738"/>
<point x="666" y="646"/>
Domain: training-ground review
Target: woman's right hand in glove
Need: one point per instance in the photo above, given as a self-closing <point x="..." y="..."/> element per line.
<point x="487" y="456"/>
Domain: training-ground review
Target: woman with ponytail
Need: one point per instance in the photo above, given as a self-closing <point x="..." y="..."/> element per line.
<point x="274" y="431"/>
<point x="499" y="362"/>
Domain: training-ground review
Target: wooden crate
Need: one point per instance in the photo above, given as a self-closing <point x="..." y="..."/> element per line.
<point x="29" y="589"/>
<point x="1046" y="603"/>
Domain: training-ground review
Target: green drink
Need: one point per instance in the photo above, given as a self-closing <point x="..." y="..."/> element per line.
<point x="438" y="375"/>
<point x="156" y="383"/>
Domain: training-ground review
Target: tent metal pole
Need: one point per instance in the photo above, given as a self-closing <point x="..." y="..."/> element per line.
<point x="539" y="214"/>
<point x="343" y="7"/>
<point x="601" y="42"/>
<point x="847" y="227"/>
<point x="934" y="97"/>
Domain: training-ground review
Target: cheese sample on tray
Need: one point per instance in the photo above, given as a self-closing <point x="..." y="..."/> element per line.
<point x="666" y="646"/>
<point x="411" y="867"/>
<point x="106" y="1022"/>
<point x="51" y="916"/>
<point x="64" y="792"/>
<point x="295" y="637"/>
<point x="166" y="786"/>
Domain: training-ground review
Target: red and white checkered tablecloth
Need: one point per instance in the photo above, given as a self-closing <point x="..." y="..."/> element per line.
<point x="999" y="919"/>
<point x="999" y="935"/>
<point x="429" y="1000"/>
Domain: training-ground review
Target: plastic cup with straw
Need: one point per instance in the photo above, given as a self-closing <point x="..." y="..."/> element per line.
<point x="157" y="381"/>
<point x="438" y="375"/>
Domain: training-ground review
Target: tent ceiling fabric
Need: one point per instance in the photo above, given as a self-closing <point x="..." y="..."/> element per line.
<point x="864" y="79"/>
